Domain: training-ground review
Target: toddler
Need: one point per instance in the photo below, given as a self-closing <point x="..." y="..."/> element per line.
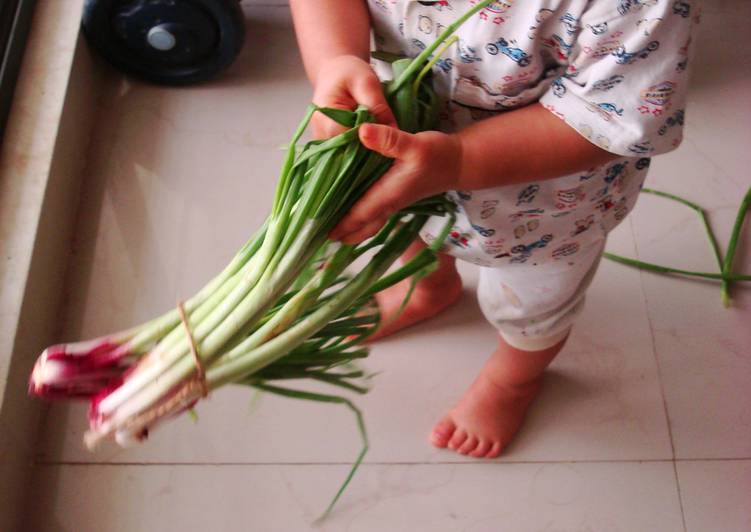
<point x="551" y="112"/>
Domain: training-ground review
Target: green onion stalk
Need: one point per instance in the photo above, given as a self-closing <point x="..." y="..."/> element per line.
<point x="286" y="306"/>
<point x="725" y="275"/>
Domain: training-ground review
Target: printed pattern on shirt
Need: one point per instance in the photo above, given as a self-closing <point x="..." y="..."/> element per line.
<point x="615" y="70"/>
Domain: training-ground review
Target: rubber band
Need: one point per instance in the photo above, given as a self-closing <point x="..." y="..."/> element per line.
<point x="200" y="370"/>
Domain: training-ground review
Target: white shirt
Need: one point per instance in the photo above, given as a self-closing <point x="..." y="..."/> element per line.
<point x="614" y="70"/>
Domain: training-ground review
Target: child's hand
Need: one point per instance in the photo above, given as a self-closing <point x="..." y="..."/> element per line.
<point x="426" y="164"/>
<point x="345" y="82"/>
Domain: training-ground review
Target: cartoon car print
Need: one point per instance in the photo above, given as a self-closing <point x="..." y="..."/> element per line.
<point x="527" y="195"/>
<point x="382" y="4"/>
<point x="598" y="29"/>
<point x="500" y="6"/>
<point x="641" y="148"/>
<point x="522" y="252"/>
<point x="467" y="53"/>
<point x="648" y="25"/>
<point x="529" y="213"/>
<point x="517" y="55"/>
<point x="605" y="204"/>
<point x="600" y="193"/>
<point x="474" y="81"/>
<point x="523" y="229"/>
<point x="488" y="208"/>
<point x="621" y="210"/>
<point x="438" y="4"/>
<point x="583" y="224"/>
<point x="676" y="119"/>
<point x="682" y="8"/>
<point x="605" y="110"/>
<point x="459" y="239"/>
<point x="425" y="24"/>
<point x="610" y="108"/>
<point x="607" y="84"/>
<point x="542" y="15"/>
<point x="492" y="247"/>
<point x="482" y="231"/>
<point x="559" y="89"/>
<point x="589" y="175"/>
<point x="566" y="250"/>
<point x="571" y="23"/>
<point x="602" y="48"/>
<point x="643" y="163"/>
<point x="602" y="141"/>
<point x="626" y="5"/>
<point x="417" y="43"/>
<point x="660" y="94"/>
<point x="626" y="58"/>
<point x="445" y="64"/>
<point x="562" y="47"/>
<point x="614" y="171"/>
<point x="569" y="198"/>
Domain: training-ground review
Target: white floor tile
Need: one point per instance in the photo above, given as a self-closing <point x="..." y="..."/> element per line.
<point x="478" y="498"/>
<point x="716" y="495"/>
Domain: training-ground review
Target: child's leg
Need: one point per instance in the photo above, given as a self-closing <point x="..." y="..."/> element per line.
<point x="493" y="408"/>
<point x="533" y="306"/>
<point x="431" y="295"/>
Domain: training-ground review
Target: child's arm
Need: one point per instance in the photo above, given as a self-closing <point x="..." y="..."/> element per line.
<point x="527" y="144"/>
<point x="328" y="29"/>
<point x="334" y="40"/>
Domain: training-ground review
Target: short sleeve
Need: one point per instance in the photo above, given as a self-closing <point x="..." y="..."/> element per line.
<point x="626" y="83"/>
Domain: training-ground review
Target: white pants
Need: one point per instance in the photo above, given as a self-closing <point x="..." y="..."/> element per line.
<point x="534" y="306"/>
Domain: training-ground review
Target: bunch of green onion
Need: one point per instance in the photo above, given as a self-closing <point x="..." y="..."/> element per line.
<point x="285" y="307"/>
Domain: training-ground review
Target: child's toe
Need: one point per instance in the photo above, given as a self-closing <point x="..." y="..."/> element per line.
<point x="456" y="441"/>
<point x="442" y="432"/>
<point x="495" y="450"/>
<point x="468" y="446"/>
<point x="483" y="446"/>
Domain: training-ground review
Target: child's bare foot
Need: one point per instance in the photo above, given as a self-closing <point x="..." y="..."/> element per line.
<point x="492" y="410"/>
<point x="486" y="418"/>
<point x="431" y="296"/>
<point x="426" y="301"/>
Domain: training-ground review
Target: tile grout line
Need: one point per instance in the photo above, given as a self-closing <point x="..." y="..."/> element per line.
<point x="391" y="463"/>
<point x="659" y="379"/>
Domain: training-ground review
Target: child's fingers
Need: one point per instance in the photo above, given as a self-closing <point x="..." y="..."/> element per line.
<point x="323" y="127"/>
<point x="366" y="90"/>
<point x="364" y="233"/>
<point x="388" y="195"/>
<point x="388" y="141"/>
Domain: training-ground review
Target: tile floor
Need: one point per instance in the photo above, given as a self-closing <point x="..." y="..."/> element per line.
<point x="644" y="424"/>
